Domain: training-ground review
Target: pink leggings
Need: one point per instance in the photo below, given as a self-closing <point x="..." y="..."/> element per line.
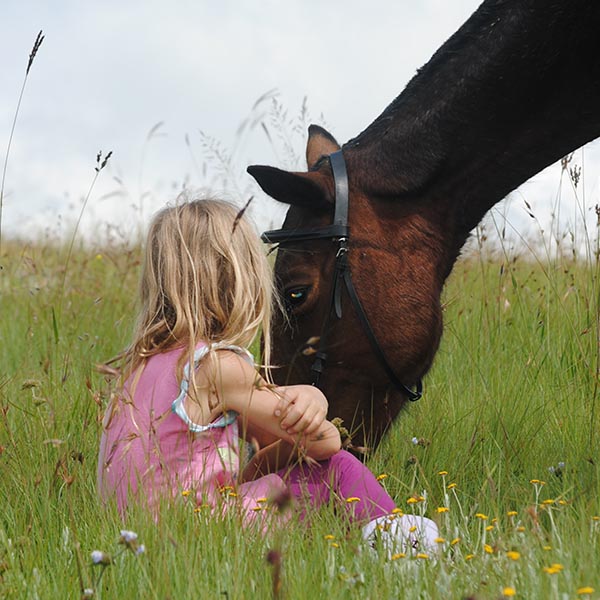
<point x="344" y="477"/>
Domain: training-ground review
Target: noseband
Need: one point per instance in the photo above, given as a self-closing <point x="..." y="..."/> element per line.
<point x="339" y="232"/>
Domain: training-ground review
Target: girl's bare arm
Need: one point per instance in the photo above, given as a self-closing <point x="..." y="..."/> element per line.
<point x="237" y="386"/>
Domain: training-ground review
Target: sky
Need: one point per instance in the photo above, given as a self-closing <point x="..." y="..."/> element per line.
<point x="188" y="93"/>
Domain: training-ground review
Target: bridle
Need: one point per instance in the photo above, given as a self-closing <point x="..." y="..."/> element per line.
<point x="339" y="232"/>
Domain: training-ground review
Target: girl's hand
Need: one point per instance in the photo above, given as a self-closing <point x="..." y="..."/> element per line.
<point x="302" y="408"/>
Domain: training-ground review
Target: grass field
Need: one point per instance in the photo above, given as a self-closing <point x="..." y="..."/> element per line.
<point x="502" y="451"/>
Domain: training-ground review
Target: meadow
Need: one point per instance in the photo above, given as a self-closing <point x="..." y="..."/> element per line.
<point x="502" y="451"/>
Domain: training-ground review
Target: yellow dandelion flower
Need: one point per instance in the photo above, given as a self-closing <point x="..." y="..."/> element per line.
<point x="547" y="548"/>
<point x="413" y="529"/>
<point x="352" y="499"/>
<point x="489" y="528"/>
<point x="397" y="511"/>
<point x="334" y="545"/>
<point x="481" y="516"/>
<point x="488" y="549"/>
<point x="397" y="556"/>
<point x="557" y="566"/>
<point x="512" y="513"/>
<point x="508" y="592"/>
<point x="450" y="486"/>
<point x="520" y="528"/>
<point x="455" y="541"/>
<point x="257" y="508"/>
<point x="442" y="509"/>
<point x="439" y="540"/>
<point x="537" y="482"/>
<point x="513" y="555"/>
<point x="185" y="493"/>
<point x="422" y="555"/>
<point x="443" y="473"/>
<point x="412" y="500"/>
<point x="548" y="502"/>
<point x="551" y="570"/>
<point x="563" y="502"/>
<point x="329" y="537"/>
<point x="595" y="518"/>
<point x="585" y="590"/>
<point x="381" y="477"/>
<point x="261" y="499"/>
<point x="197" y="509"/>
<point x="469" y="557"/>
<point x="232" y="494"/>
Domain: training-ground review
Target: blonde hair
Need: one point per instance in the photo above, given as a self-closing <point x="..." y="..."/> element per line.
<point x="205" y="277"/>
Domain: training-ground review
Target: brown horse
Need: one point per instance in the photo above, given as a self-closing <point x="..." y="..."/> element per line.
<point x="515" y="89"/>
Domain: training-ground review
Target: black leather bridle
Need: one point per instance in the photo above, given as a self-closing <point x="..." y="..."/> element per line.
<point x="340" y="233"/>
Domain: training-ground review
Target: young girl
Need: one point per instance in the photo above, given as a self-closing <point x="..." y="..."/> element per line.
<point x="194" y="417"/>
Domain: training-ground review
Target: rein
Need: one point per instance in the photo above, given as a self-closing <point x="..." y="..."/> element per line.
<point x="339" y="232"/>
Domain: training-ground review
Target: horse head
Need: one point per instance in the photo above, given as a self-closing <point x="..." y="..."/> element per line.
<point x="391" y="250"/>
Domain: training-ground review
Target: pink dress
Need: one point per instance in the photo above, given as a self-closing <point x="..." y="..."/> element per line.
<point x="151" y="449"/>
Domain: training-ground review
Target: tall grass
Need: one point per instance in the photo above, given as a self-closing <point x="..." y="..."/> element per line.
<point x="511" y="399"/>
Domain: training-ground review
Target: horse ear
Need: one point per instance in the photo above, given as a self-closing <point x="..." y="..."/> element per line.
<point x="320" y="143"/>
<point x="297" y="189"/>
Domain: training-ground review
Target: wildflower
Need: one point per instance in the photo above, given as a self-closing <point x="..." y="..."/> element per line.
<point x="415" y="440"/>
<point x="98" y="256"/>
<point x="455" y="541"/>
<point x="422" y="555"/>
<point x="520" y="528"/>
<point x="129" y="539"/>
<point x="439" y="540"/>
<point x="488" y="549"/>
<point x="329" y="537"/>
<point x="537" y="482"/>
<point x="512" y="513"/>
<point x="397" y="511"/>
<point x="450" y="486"/>
<point x="508" y="592"/>
<point x="185" y="493"/>
<point x="335" y="545"/>
<point x="100" y="558"/>
<point x="553" y="569"/>
<point x="352" y="499"/>
<point x="548" y="502"/>
<point x="413" y="529"/>
<point x="381" y="477"/>
<point x="87" y="593"/>
<point x="481" y="516"/>
<point x="585" y="590"/>
<point x="140" y="549"/>
<point x="547" y="548"/>
<point x="443" y="473"/>
<point x="595" y="518"/>
<point x="489" y="528"/>
<point x="261" y="500"/>
<point x="513" y="555"/>
<point x="397" y="556"/>
<point x="442" y="509"/>
<point x="469" y="557"/>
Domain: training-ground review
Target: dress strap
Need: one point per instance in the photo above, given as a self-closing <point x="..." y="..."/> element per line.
<point x="178" y="407"/>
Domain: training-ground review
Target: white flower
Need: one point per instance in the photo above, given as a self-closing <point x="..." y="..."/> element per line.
<point x="100" y="558"/>
<point x="140" y="549"/>
<point x="128" y="537"/>
<point x="88" y="593"/>
<point x="415" y="441"/>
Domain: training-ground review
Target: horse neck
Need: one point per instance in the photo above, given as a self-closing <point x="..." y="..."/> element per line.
<point x="515" y="89"/>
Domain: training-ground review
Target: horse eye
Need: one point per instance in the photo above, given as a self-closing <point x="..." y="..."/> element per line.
<point x="295" y="296"/>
